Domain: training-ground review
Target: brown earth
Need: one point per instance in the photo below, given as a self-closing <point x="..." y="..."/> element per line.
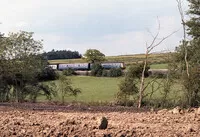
<point x="43" y="121"/>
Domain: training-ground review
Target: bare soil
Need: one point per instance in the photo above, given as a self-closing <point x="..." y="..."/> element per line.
<point x="52" y="120"/>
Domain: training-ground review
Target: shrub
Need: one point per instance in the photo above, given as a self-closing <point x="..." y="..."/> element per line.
<point x="115" y="72"/>
<point x="191" y="88"/>
<point x="68" y="72"/>
<point x="128" y="87"/>
<point x="66" y="89"/>
<point x="136" y="71"/>
<point x="104" y="73"/>
<point x="96" y="70"/>
<point x="47" y="74"/>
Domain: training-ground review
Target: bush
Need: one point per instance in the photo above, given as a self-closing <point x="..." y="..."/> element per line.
<point x="191" y="88"/>
<point x="136" y="71"/>
<point x="115" y="72"/>
<point x="128" y="87"/>
<point x="47" y="74"/>
<point x="96" y="70"/>
<point x="99" y="73"/>
<point x="104" y="73"/>
<point x="68" y="72"/>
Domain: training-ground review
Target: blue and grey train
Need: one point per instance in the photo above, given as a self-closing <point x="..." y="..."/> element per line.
<point x="87" y="66"/>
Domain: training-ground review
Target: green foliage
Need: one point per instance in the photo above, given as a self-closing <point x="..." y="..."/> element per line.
<point x="66" y="88"/>
<point x="68" y="72"/>
<point x="105" y="73"/>
<point x="128" y="86"/>
<point x="20" y="64"/>
<point x="40" y="89"/>
<point x="136" y="71"/>
<point x="193" y="23"/>
<point x="96" y="70"/>
<point x="190" y="83"/>
<point x="62" y="54"/>
<point x="191" y="88"/>
<point x="115" y="72"/>
<point x="94" y="56"/>
<point x="47" y="74"/>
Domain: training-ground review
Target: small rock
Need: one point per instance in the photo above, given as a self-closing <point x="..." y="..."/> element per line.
<point x="176" y="110"/>
<point x="103" y="123"/>
<point x="198" y="111"/>
<point x="190" y="129"/>
<point x="152" y="110"/>
<point x="162" y="111"/>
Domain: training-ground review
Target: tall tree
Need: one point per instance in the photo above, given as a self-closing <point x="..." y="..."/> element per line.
<point x="194" y="22"/>
<point x="20" y="63"/>
<point x="189" y="50"/>
<point x="94" y="56"/>
<point x="192" y="27"/>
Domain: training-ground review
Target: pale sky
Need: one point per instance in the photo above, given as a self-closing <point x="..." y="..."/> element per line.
<point x="115" y="27"/>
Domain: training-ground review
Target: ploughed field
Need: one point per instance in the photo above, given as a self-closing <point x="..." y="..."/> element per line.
<point x="47" y="120"/>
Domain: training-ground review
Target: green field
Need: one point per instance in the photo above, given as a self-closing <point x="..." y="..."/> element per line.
<point x="159" y="66"/>
<point x="96" y="89"/>
<point x="93" y="89"/>
<point x="101" y="89"/>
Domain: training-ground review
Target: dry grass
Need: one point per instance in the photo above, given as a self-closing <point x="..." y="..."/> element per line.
<point x="127" y="59"/>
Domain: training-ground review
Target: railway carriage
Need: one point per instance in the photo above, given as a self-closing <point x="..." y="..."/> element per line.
<point x="87" y="66"/>
<point x="76" y="66"/>
<point x="110" y="65"/>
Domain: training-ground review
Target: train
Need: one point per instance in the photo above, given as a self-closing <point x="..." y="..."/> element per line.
<point x="86" y="66"/>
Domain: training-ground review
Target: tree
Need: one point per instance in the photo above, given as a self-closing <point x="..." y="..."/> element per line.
<point x="193" y="23"/>
<point x="128" y="86"/>
<point x="62" y="54"/>
<point x="184" y="41"/>
<point x="94" y="56"/>
<point x="189" y="51"/>
<point x="20" y="64"/>
<point x="66" y="88"/>
<point x="154" y="43"/>
<point x="97" y="70"/>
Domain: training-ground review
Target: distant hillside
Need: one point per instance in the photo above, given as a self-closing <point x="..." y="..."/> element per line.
<point x="127" y="59"/>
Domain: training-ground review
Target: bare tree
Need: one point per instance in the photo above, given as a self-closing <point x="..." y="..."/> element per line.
<point x="179" y="2"/>
<point x="155" y="43"/>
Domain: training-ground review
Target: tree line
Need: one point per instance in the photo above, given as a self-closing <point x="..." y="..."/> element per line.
<point x="61" y="54"/>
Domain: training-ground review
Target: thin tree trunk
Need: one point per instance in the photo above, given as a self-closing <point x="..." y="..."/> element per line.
<point x="184" y="36"/>
<point x="141" y="91"/>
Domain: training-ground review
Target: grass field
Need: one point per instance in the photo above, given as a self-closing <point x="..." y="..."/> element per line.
<point x="159" y="66"/>
<point x="96" y="89"/>
<point x="99" y="89"/>
<point x="93" y="89"/>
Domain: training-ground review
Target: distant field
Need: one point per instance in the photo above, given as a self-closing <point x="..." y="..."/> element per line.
<point x="127" y="59"/>
<point x="159" y="66"/>
<point x="99" y="89"/>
